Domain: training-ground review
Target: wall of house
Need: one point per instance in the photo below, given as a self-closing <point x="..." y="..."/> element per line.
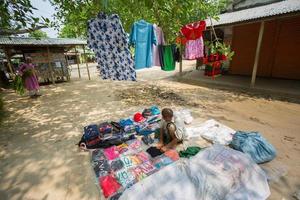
<point x="279" y="57"/>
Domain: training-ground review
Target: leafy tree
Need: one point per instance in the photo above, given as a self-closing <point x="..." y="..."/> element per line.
<point x="171" y="15"/>
<point x="38" y="34"/>
<point x="68" y="31"/>
<point x="16" y="17"/>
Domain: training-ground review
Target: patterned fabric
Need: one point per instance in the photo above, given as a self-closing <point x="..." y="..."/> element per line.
<point x="194" y="49"/>
<point x="127" y="169"/>
<point x="125" y="177"/>
<point x="143" y="37"/>
<point x="107" y="38"/>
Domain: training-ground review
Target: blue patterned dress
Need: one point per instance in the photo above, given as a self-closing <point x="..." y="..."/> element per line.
<point x="107" y="38"/>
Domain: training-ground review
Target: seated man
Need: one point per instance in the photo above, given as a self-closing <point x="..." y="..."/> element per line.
<point x="172" y="131"/>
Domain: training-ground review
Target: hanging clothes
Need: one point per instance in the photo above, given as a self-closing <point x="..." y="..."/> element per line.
<point x="194" y="49"/>
<point x="194" y="30"/>
<point x="161" y="55"/>
<point x="143" y="37"/>
<point x="168" y="57"/>
<point x="107" y="38"/>
<point x="176" y="53"/>
<point x="160" y="41"/>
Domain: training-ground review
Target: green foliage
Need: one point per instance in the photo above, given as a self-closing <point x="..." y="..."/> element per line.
<point x="224" y="49"/>
<point x="171" y="15"/>
<point x="19" y="85"/>
<point x="38" y="34"/>
<point x="18" y="14"/>
<point x="221" y="48"/>
<point x="68" y="31"/>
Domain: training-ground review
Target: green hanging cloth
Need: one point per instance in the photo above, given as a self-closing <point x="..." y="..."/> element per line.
<point x="189" y="152"/>
<point x="168" y="58"/>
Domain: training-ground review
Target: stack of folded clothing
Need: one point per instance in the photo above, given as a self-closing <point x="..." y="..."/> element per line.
<point x="148" y="121"/>
<point x="128" y="126"/>
<point x="107" y="134"/>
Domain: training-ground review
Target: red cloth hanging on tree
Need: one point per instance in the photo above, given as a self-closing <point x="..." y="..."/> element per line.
<point x="194" y="30"/>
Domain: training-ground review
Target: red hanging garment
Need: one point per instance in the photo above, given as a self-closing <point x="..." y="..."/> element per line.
<point x="194" y="30"/>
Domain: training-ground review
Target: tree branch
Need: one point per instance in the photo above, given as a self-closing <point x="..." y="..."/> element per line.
<point x="21" y="31"/>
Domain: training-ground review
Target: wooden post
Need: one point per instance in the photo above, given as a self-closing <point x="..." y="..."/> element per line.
<point x="77" y="63"/>
<point x="8" y="62"/>
<point x="68" y="74"/>
<point x="50" y="66"/>
<point x="87" y="66"/>
<point x="260" y="36"/>
<point x="180" y="61"/>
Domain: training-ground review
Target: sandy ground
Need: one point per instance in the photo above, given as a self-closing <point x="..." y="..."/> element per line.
<point x="39" y="158"/>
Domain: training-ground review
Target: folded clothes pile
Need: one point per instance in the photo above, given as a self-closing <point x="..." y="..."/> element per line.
<point x="119" y="167"/>
<point x="106" y="134"/>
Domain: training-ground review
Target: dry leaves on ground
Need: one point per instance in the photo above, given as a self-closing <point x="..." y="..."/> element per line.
<point x="152" y="94"/>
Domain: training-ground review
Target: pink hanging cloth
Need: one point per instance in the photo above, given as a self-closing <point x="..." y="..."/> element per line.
<point x="194" y="49"/>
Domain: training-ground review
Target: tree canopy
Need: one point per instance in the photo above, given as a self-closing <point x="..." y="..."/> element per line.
<point x="38" y="34"/>
<point x="171" y="15"/>
<point x="16" y="17"/>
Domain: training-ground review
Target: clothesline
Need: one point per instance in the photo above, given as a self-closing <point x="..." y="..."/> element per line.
<point x="110" y="43"/>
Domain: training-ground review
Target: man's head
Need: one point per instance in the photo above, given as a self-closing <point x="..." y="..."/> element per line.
<point x="167" y="114"/>
<point x="28" y="60"/>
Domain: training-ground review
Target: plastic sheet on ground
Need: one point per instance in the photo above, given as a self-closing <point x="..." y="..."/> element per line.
<point x="215" y="173"/>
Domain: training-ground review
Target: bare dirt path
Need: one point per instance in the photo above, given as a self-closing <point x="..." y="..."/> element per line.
<point x="39" y="159"/>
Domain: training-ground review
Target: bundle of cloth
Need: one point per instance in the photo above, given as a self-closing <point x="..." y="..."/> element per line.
<point x="111" y="133"/>
<point x="250" y="143"/>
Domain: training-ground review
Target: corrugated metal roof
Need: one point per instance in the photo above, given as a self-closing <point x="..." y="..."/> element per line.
<point x="280" y="8"/>
<point x="20" y="41"/>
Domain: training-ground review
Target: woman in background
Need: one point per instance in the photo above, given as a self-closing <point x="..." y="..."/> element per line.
<point x="28" y="73"/>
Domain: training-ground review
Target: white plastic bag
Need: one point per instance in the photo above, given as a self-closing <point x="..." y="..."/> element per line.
<point x="213" y="131"/>
<point x="185" y="115"/>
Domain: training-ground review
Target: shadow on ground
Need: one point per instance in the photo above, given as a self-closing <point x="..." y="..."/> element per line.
<point x="39" y="158"/>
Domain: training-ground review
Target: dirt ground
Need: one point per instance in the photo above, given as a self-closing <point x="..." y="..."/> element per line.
<point x="39" y="158"/>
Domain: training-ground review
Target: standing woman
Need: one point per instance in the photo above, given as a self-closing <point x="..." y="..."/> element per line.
<point x="29" y="76"/>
